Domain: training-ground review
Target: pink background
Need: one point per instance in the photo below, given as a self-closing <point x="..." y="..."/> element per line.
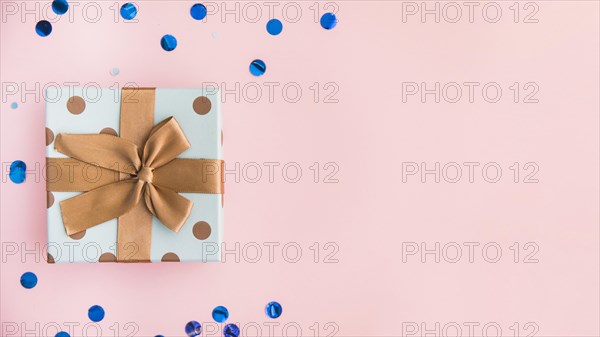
<point x="368" y="133"/>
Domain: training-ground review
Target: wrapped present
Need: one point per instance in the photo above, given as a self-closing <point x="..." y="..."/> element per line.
<point x="134" y="175"/>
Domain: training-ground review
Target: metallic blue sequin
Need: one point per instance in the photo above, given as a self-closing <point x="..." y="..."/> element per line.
<point x="198" y="11"/>
<point x="258" y="67"/>
<point x="273" y="309"/>
<point x="193" y="329"/>
<point x="43" y="28"/>
<point x="18" y="169"/>
<point x="168" y="42"/>
<point x="62" y="334"/>
<point x="28" y="280"/>
<point x="128" y="11"/>
<point x="159" y="336"/>
<point x="14" y="105"/>
<point x="274" y="27"/>
<point x="329" y="21"/>
<point x="220" y="314"/>
<point x="96" y="313"/>
<point x="231" y="330"/>
<point x="60" y="7"/>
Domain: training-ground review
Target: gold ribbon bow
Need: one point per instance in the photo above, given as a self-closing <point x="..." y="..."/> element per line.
<point x="148" y="177"/>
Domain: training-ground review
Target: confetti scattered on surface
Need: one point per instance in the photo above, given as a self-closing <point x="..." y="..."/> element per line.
<point x="329" y="21"/>
<point x="18" y="169"/>
<point x="198" y="11"/>
<point x="231" y="330"/>
<point x="215" y="35"/>
<point x="28" y="280"/>
<point x="128" y="11"/>
<point x="14" y="105"/>
<point x="62" y="334"/>
<point x="273" y="309"/>
<point x="274" y="27"/>
<point x="258" y="67"/>
<point x="193" y="329"/>
<point x="96" y="313"/>
<point x="168" y="42"/>
<point x="115" y="71"/>
<point x="220" y="314"/>
<point x="60" y="7"/>
<point x="43" y="28"/>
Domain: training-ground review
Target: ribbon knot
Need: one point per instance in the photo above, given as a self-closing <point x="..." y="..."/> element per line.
<point x="146" y="174"/>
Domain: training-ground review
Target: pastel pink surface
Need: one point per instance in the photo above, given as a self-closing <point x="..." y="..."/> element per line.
<point x="368" y="133"/>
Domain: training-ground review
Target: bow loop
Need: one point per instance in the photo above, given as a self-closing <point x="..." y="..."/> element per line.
<point x="165" y="142"/>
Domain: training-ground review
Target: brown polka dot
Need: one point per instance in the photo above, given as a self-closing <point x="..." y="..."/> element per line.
<point x="107" y="257"/>
<point x="201" y="230"/>
<point x="170" y="257"/>
<point x="50" y="258"/>
<point x="75" y="105"/>
<point x="77" y="236"/>
<point x="202" y="105"/>
<point x="49" y="199"/>
<point x="49" y="136"/>
<point x="109" y="131"/>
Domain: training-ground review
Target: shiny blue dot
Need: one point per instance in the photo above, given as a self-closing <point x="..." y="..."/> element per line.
<point x="28" y="280"/>
<point x="128" y="11"/>
<point x="96" y="313"/>
<point x="159" y="336"/>
<point x="198" y="11"/>
<point x="329" y="21"/>
<point x="60" y="7"/>
<point x="14" y="105"/>
<point x="43" y="28"/>
<point x="115" y="71"/>
<point x="220" y="314"/>
<point x="274" y="27"/>
<point x="273" y="309"/>
<point x="18" y="169"/>
<point x="231" y="330"/>
<point x="62" y="334"/>
<point x="168" y="42"/>
<point x="193" y="329"/>
<point x="258" y="67"/>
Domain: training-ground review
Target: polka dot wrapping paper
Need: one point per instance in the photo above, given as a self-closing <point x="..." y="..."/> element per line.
<point x="198" y="114"/>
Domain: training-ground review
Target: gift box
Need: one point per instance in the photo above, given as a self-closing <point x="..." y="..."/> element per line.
<point x="134" y="175"/>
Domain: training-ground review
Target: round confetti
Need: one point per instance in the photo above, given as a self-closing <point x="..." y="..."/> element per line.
<point x="62" y="334"/>
<point x="231" y="330"/>
<point x="198" y="11"/>
<point x="14" y="105"/>
<point x="258" y="67"/>
<point x="17" y="171"/>
<point x="128" y="11"/>
<point x="193" y="329"/>
<point x="96" y="313"/>
<point x="60" y="7"/>
<point x="159" y="336"/>
<point x="274" y="27"/>
<point x="220" y="314"/>
<point x="43" y="28"/>
<point x="273" y="309"/>
<point x="168" y="42"/>
<point x="28" y="280"/>
<point x="115" y="71"/>
<point x="328" y="21"/>
<point x="215" y="35"/>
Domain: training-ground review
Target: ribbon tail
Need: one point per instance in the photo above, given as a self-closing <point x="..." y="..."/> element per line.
<point x="100" y="205"/>
<point x="169" y="207"/>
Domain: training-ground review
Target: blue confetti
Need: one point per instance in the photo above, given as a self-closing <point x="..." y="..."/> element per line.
<point x="115" y="71"/>
<point x="329" y="21"/>
<point x="62" y="334"/>
<point x="220" y="314"/>
<point x="14" y="105"/>
<point x="60" y="7"/>
<point x="198" y="11"/>
<point x="193" y="329"/>
<point x="128" y="11"/>
<point x="96" y="313"/>
<point x="258" y="67"/>
<point x="168" y="42"/>
<point x="28" y="280"/>
<point x="159" y="336"/>
<point x="231" y="330"/>
<point x="43" y="28"/>
<point x="18" y="170"/>
<point x="274" y="27"/>
<point x="273" y="309"/>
